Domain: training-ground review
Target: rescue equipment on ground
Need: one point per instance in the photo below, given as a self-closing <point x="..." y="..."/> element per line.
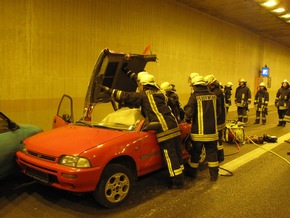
<point x="234" y="132"/>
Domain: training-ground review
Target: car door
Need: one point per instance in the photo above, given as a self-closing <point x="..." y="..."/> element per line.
<point x="64" y="113"/>
<point x="9" y="144"/>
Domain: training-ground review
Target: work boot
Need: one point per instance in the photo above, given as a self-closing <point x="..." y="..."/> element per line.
<point x="280" y="123"/>
<point x="177" y="182"/>
<point x="191" y="172"/>
<point x="256" y="122"/>
<point x="283" y="124"/>
<point x="245" y="120"/>
<point x="214" y="173"/>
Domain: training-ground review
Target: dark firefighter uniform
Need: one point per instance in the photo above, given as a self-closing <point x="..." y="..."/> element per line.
<point x="221" y="120"/>
<point x="201" y="111"/>
<point x="228" y="94"/>
<point x="173" y="101"/>
<point x="261" y="103"/>
<point x="282" y="101"/>
<point x="154" y="107"/>
<point x="242" y="100"/>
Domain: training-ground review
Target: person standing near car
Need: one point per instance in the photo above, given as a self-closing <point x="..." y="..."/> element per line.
<point x="228" y="94"/>
<point x="261" y="103"/>
<point x="201" y="113"/>
<point x="153" y="103"/>
<point x="173" y="102"/>
<point x="282" y="101"/>
<point x="242" y="100"/>
<point x="214" y="87"/>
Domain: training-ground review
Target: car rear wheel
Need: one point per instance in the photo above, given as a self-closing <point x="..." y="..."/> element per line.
<point x="115" y="186"/>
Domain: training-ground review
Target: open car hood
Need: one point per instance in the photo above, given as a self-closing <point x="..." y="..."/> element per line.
<point x="108" y="72"/>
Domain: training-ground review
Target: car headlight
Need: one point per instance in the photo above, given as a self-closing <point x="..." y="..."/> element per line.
<point x="23" y="148"/>
<point x="74" y="161"/>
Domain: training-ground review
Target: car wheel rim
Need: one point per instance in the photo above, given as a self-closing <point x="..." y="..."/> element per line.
<point x="117" y="187"/>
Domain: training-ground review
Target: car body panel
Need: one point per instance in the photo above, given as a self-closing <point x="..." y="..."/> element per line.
<point x="11" y="138"/>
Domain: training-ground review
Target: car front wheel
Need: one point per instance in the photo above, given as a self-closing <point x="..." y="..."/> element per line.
<point x="115" y="186"/>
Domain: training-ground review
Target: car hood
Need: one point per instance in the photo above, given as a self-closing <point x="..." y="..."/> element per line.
<point x="70" y="140"/>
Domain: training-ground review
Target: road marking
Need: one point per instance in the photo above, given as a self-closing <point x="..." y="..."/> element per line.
<point x="240" y="161"/>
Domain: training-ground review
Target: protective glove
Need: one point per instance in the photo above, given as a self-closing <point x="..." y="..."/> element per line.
<point x="107" y="89"/>
<point x="129" y="73"/>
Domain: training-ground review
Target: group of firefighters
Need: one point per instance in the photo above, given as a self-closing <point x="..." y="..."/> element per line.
<point x="205" y="111"/>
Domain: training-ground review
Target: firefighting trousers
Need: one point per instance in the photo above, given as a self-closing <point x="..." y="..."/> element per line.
<point x="172" y="155"/>
<point x="242" y="114"/>
<point x="258" y="116"/>
<point x="211" y="156"/>
<point x="281" y="114"/>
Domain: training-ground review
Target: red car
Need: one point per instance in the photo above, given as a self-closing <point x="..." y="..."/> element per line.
<point x="107" y="149"/>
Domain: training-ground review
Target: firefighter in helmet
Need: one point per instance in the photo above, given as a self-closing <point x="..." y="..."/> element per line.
<point x="214" y="87"/>
<point x="282" y="101"/>
<point x="153" y="105"/>
<point x="242" y="100"/>
<point x="173" y="100"/>
<point x="190" y="78"/>
<point x="228" y="94"/>
<point x="261" y="103"/>
<point x="201" y="112"/>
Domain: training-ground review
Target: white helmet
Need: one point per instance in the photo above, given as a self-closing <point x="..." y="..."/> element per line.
<point x="262" y="84"/>
<point x="166" y="86"/>
<point x="191" y="76"/>
<point x="209" y="79"/>
<point x="148" y="79"/>
<point x="242" y="80"/>
<point x="285" y="81"/>
<point x="140" y="74"/>
<point x="229" y="84"/>
<point x="198" y="80"/>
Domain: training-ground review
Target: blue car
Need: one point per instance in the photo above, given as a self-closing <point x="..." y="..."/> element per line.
<point x="11" y="137"/>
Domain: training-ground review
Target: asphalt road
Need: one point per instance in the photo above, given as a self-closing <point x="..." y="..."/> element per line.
<point x="259" y="187"/>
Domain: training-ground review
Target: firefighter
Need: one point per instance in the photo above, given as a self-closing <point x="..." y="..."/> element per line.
<point x="174" y="103"/>
<point x="214" y="87"/>
<point x="228" y="94"/>
<point x="242" y="100"/>
<point x="191" y="76"/>
<point x="153" y="103"/>
<point x="282" y="101"/>
<point x="261" y="103"/>
<point x="201" y="113"/>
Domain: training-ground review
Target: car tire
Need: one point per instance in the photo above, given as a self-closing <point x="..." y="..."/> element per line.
<point x="115" y="186"/>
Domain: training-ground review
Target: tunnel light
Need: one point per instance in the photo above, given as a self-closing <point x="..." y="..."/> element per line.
<point x="279" y="10"/>
<point x="269" y="3"/>
<point x="285" y="16"/>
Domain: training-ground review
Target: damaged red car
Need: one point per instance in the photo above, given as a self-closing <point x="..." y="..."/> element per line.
<point x="108" y="148"/>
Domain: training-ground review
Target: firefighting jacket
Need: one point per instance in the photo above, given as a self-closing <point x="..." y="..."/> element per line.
<point x="228" y="94"/>
<point x="221" y="109"/>
<point x="201" y="110"/>
<point x="282" y="98"/>
<point x="243" y="96"/>
<point x="174" y="104"/>
<point x="153" y="103"/>
<point x="261" y="99"/>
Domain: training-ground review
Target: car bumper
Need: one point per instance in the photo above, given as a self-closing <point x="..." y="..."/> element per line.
<point x="59" y="176"/>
